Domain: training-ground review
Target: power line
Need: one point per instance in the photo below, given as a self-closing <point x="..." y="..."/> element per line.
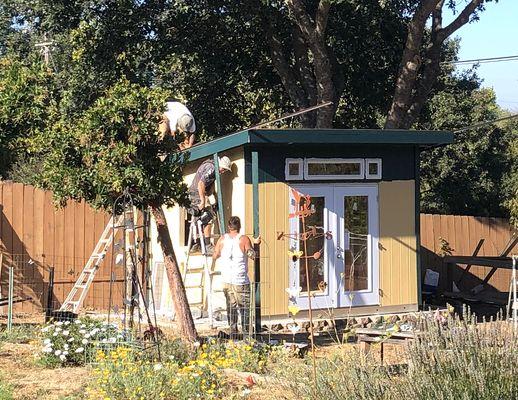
<point x="484" y="123"/>
<point x="484" y="60"/>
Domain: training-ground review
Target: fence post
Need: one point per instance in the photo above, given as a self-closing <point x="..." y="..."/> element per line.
<point x="10" y="300"/>
<point x="50" y="294"/>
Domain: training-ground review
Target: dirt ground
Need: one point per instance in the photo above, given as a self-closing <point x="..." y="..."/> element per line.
<point x="30" y="381"/>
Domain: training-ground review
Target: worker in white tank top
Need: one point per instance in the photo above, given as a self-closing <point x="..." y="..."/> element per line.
<point x="233" y="250"/>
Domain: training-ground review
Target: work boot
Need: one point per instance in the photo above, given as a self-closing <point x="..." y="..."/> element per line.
<point x="209" y="250"/>
<point x="195" y="248"/>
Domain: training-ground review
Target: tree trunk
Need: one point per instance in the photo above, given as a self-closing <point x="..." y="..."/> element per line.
<point x="412" y="90"/>
<point x="174" y="277"/>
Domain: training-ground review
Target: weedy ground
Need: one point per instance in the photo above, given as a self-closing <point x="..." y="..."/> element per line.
<point x="454" y="358"/>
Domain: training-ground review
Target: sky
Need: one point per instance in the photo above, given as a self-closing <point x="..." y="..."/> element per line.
<point x="494" y="35"/>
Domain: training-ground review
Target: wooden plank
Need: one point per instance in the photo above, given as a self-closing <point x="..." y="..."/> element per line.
<point x="79" y="237"/>
<point x="497" y="262"/>
<point x="17" y="222"/>
<point x="59" y="252"/>
<point x="89" y="244"/>
<point x="7" y="216"/>
<point x="70" y="271"/>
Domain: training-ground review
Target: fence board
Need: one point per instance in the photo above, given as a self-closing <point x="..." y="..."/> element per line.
<point x="463" y="234"/>
<point x="36" y="235"/>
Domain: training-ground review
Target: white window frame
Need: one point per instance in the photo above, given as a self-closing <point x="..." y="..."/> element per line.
<point x="373" y="161"/>
<point x="309" y="177"/>
<point x="300" y="163"/>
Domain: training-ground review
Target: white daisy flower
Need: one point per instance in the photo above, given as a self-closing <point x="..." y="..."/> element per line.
<point x="46" y="341"/>
<point x="78" y="321"/>
<point x="62" y="357"/>
<point x="82" y="331"/>
<point x="66" y="333"/>
<point x="55" y="334"/>
<point x="80" y="350"/>
<point x="65" y="353"/>
<point x="70" y="339"/>
<point x="57" y="352"/>
<point x="59" y="323"/>
<point x="65" y="346"/>
<point x="157" y="367"/>
<point x="84" y="341"/>
<point x="67" y="322"/>
<point x="47" y="349"/>
<point x="87" y="336"/>
<point x="58" y="329"/>
<point x="112" y="340"/>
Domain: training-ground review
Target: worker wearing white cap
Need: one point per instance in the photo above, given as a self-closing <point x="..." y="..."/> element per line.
<point x="179" y="123"/>
<point x="201" y="187"/>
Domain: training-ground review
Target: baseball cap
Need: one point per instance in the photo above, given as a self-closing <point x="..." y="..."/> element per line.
<point x="225" y="163"/>
<point x="186" y="123"/>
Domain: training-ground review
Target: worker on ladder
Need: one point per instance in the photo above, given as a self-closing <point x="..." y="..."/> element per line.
<point x="201" y="187"/>
<point x="178" y="122"/>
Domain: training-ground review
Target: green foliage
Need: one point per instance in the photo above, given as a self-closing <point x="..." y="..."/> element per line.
<point x="18" y="334"/>
<point x="510" y="183"/>
<point x="6" y="391"/>
<point x="466" y="177"/>
<point x="26" y="94"/>
<point x="114" y="144"/>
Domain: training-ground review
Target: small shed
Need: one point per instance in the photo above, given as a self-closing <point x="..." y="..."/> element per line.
<point x="362" y="232"/>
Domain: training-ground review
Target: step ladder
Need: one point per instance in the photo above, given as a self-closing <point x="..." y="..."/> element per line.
<point x="75" y="298"/>
<point x="205" y="271"/>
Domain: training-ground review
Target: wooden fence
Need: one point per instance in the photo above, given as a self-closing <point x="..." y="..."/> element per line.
<point x="35" y="236"/>
<point x="463" y="234"/>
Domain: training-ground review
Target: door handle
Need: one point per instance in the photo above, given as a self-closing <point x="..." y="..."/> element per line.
<point x="339" y="252"/>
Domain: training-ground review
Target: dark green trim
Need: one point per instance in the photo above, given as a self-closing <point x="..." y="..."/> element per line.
<point x="257" y="261"/>
<point x="417" y="161"/>
<point x="206" y="149"/>
<point x="255" y="191"/>
<point x="319" y="136"/>
<point x="221" y="211"/>
<point x="336" y="136"/>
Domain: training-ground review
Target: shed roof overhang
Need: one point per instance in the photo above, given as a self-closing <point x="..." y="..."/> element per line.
<point x="279" y="137"/>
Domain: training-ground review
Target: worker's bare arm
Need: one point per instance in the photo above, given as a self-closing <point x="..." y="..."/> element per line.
<point x="201" y="192"/>
<point x="217" y="249"/>
<point x="246" y="246"/>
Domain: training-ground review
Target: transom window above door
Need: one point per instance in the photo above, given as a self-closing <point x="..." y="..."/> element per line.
<point x="332" y="168"/>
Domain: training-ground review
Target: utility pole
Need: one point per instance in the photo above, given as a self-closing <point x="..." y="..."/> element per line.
<point x="45" y="49"/>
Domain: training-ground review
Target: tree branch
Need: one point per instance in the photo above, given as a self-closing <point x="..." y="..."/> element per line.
<point x="462" y="19"/>
<point x="322" y="17"/>
<point x="433" y="56"/>
<point x="321" y="63"/>
<point x="283" y="68"/>
<point x="410" y="64"/>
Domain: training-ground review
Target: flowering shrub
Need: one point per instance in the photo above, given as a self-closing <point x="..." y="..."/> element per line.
<point x="71" y="343"/>
<point x="121" y="374"/>
<point x="242" y="356"/>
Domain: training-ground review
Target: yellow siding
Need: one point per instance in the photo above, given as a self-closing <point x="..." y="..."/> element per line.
<point x="398" y="262"/>
<point x="233" y="188"/>
<point x="273" y="218"/>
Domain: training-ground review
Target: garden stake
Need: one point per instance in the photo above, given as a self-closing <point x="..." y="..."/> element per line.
<point x="311" y="336"/>
<point x="10" y="300"/>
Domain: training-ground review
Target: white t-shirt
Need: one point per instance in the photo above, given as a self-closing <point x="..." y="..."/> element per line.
<point x="174" y="111"/>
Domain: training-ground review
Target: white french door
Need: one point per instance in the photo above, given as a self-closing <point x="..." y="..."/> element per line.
<point x="356" y="259"/>
<point x="343" y="265"/>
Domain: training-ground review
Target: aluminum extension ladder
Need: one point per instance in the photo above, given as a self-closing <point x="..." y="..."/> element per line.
<point x="75" y="298"/>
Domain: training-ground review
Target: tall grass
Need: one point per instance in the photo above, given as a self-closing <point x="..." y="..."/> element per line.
<point x="456" y="359"/>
